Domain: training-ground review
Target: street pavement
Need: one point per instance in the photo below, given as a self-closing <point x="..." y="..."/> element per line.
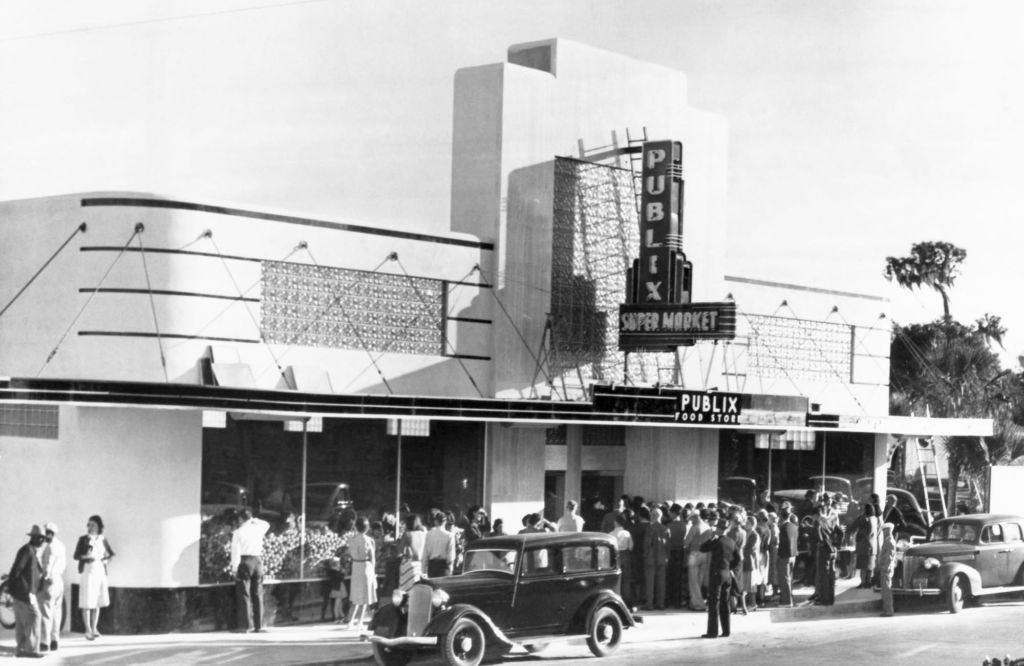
<point x="334" y="644"/>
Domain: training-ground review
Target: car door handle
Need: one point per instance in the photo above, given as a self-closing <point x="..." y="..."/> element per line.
<point x="1008" y="550"/>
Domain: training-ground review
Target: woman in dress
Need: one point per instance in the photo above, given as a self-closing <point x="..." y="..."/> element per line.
<point x="364" y="575"/>
<point x="411" y="547"/>
<point x="751" y="576"/>
<point x="866" y="545"/>
<point x="93" y="552"/>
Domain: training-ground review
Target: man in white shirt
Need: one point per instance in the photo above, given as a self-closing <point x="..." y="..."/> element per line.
<point x="54" y="558"/>
<point x="439" y="548"/>
<point x="570" y="521"/>
<point x="246" y="562"/>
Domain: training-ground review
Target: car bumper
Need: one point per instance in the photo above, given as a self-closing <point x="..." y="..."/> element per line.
<point x="402" y="641"/>
<point x="916" y="591"/>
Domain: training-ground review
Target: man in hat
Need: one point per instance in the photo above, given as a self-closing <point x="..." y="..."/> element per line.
<point x="24" y="583"/>
<point x="724" y="560"/>
<point x="51" y="598"/>
<point x="886" y="567"/>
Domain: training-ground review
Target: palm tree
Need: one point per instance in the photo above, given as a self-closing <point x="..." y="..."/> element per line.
<point x="934" y="264"/>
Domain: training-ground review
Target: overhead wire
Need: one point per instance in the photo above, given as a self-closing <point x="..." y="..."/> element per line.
<point x="447" y="341"/>
<point x="152" y="303"/>
<point x="259" y="329"/>
<point x="519" y="333"/>
<point x="336" y="301"/>
<point x="79" y="229"/>
<point x="92" y="295"/>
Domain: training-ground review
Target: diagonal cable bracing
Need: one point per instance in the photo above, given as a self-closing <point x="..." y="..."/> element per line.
<point x="87" y="302"/>
<point x="209" y="236"/>
<point x="522" y="338"/>
<point x="774" y="357"/>
<point x="79" y="229"/>
<point x="259" y="331"/>
<point x="447" y="341"/>
<point x="821" y="353"/>
<point x="415" y="319"/>
<point x="336" y="301"/>
<point x="139" y="228"/>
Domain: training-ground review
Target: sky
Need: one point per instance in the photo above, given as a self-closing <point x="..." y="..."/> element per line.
<point x="855" y="128"/>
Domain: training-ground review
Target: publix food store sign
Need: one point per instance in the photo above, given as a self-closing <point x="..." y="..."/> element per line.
<point x="700" y="407"/>
<point x="658" y="314"/>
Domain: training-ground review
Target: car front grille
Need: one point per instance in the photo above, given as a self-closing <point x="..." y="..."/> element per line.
<point x="420" y="609"/>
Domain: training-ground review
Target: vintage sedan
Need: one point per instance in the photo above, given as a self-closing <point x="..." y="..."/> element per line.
<point x="965" y="557"/>
<point x="523" y="590"/>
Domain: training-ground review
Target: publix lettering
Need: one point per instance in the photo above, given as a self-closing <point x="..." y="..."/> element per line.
<point x="709" y="408"/>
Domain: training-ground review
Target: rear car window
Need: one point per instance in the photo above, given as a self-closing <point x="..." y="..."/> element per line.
<point x="576" y="558"/>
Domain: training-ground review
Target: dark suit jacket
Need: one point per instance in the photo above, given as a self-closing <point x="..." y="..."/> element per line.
<point x="26" y="575"/>
<point x="725" y="558"/>
<point x="789" y="535"/>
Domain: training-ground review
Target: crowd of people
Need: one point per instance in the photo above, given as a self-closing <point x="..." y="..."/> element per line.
<point x="36" y="583"/>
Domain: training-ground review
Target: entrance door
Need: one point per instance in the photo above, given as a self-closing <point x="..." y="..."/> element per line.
<point x="554" y="495"/>
<point x="599" y="491"/>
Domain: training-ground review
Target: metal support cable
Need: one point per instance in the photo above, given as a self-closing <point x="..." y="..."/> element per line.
<point x="79" y="229"/>
<point x="774" y="357"/>
<point x="209" y="236"/>
<point x="259" y="330"/>
<point x="447" y="341"/>
<point x="92" y="295"/>
<point x="821" y="353"/>
<point x="522" y="338"/>
<point x="139" y="228"/>
<point x="336" y="301"/>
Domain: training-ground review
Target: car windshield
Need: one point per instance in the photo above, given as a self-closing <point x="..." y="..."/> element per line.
<point x="954" y="533"/>
<point x="832" y="485"/>
<point x="495" y="559"/>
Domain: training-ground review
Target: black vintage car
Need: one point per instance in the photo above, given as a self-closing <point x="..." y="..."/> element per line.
<point x="523" y="590"/>
<point x="965" y="557"/>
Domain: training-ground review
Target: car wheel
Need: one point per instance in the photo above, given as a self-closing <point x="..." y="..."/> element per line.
<point x="464" y="644"/>
<point x="6" y="607"/>
<point x="605" y="632"/>
<point x="385" y="656"/>
<point x="956" y="593"/>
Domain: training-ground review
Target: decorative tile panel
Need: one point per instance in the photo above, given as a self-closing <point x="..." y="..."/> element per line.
<point x="340" y="308"/>
<point x="799" y="349"/>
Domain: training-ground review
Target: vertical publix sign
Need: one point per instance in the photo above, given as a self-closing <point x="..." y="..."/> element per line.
<point x="658" y="314"/>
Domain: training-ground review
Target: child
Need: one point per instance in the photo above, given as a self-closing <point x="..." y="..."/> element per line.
<point x="336" y="587"/>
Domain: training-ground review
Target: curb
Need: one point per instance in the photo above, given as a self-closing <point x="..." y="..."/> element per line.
<point x="808" y="611"/>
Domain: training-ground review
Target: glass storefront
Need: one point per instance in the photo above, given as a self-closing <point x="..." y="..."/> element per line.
<point x="351" y="469"/>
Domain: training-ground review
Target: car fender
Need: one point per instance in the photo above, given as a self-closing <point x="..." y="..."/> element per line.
<point x="441" y="623"/>
<point x="949" y="569"/>
<point x="389" y="616"/>
<point x="584" y="616"/>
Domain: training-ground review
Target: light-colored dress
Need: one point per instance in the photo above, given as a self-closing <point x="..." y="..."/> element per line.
<point x="93" y="591"/>
<point x="364" y="577"/>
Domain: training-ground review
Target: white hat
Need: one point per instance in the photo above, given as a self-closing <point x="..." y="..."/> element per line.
<point x="51" y="527"/>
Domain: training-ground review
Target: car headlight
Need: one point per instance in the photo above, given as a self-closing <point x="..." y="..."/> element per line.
<point x="438" y="598"/>
<point x="397" y="597"/>
<point x="930" y="563"/>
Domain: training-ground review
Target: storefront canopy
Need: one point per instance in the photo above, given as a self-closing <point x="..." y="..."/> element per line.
<point x="297" y="405"/>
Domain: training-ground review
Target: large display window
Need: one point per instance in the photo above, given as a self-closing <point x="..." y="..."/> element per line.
<point x="311" y="485"/>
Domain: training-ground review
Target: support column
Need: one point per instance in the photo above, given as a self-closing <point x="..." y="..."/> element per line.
<point x="880" y="472"/>
<point x="573" y="465"/>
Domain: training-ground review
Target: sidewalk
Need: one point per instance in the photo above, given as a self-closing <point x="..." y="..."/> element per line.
<point x="332" y="644"/>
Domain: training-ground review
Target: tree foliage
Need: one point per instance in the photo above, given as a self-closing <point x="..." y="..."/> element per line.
<point x="933" y="264"/>
<point x="947" y="369"/>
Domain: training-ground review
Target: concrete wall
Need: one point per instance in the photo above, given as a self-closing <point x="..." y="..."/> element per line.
<point x="31" y="230"/>
<point x="564" y="94"/>
<point x="675" y="464"/>
<point x="139" y="469"/>
<point x="514" y="473"/>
